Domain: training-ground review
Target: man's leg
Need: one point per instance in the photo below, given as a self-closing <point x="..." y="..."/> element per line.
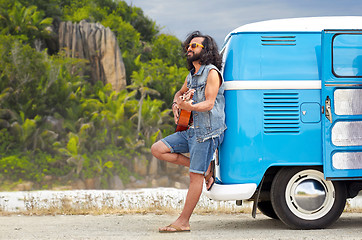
<point x="162" y="152"/>
<point x="192" y="198"/>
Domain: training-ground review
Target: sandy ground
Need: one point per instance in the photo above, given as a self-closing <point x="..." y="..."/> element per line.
<point x="231" y="226"/>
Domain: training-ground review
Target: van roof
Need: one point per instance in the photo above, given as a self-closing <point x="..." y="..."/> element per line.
<point x="308" y="24"/>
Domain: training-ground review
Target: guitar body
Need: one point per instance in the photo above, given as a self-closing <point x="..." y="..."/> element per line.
<point x="183" y="120"/>
<point x="185" y="116"/>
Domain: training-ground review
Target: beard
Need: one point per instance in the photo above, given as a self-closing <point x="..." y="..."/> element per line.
<point x="194" y="57"/>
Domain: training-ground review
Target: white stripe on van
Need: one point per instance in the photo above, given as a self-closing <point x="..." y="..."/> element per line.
<point x="272" y="84"/>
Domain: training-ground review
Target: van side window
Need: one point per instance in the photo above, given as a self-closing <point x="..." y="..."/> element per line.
<point x="347" y="55"/>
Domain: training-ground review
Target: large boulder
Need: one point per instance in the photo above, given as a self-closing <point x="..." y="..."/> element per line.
<point x="99" y="45"/>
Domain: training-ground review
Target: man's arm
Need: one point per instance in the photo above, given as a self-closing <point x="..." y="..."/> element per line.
<point x="213" y="83"/>
<point x="178" y="95"/>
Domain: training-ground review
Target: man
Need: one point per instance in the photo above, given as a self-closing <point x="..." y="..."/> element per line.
<point x="208" y="122"/>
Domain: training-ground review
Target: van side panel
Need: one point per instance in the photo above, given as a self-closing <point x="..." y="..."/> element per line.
<point x="251" y="145"/>
<point x="270" y="127"/>
<point x="273" y="56"/>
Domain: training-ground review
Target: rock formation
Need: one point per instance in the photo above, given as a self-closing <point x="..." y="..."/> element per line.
<point x="99" y="45"/>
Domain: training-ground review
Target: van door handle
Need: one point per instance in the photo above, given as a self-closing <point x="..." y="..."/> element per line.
<point x="328" y="112"/>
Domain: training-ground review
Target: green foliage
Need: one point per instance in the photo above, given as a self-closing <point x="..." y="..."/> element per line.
<point x="17" y="19"/>
<point x="165" y="79"/>
<point x="169" y="49"/>
<point x="16" y="166"/>
<point x="97" y="10"/>
<point x="50" y="81"/>
<point x="143" y="24"/>
<point x="6" y="140"/>
<point x="79" y="10"/>
<point x="53" y="121"/>
<point x="51" y="8"/>
<point x="128" y="37"/>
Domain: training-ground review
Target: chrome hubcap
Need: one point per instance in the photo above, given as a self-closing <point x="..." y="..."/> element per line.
<point x="310" y="195"/>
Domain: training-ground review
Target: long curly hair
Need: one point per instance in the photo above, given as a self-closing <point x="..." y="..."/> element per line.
<point x="208" y="55"/>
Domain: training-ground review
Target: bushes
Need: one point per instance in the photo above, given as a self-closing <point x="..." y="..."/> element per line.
<point x="28" y="166"/>
<point x="53" y="122"/>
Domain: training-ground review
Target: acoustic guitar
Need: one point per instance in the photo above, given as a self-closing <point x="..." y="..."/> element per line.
<point x="184" y="117"/>
<point x="183" y="121"/>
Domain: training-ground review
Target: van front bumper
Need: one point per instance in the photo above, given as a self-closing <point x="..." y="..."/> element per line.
<point x="230" y="192"/>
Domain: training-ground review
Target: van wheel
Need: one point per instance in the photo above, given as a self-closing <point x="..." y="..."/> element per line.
<point x="303" y="199"/>
<point x="266" y="208"/>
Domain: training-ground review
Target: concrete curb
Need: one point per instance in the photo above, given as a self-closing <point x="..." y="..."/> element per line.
<point x="127" y="200"/>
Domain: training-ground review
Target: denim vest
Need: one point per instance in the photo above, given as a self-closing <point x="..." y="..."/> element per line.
<point x="211" y="123"/>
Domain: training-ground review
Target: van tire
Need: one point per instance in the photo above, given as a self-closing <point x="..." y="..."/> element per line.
<point x="303" y="199"/>
<point x="266" y="208"/>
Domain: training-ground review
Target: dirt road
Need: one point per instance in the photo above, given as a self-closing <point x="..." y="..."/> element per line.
<point x="240" y="226"/>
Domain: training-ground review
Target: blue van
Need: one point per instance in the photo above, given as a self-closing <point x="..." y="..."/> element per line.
<point x="294" y="117"/>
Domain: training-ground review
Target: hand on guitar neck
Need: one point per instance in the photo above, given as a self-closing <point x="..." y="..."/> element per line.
<point x="184" y="116"/>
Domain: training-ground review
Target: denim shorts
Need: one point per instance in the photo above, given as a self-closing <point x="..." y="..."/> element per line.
<point x="201" y="153"/>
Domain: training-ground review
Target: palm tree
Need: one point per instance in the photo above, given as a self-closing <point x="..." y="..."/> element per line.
<point x="139" y="84"/>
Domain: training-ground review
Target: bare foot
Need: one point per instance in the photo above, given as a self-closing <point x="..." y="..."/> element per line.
<point x="209" y="178"/>
<point x="209" y="183"/>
